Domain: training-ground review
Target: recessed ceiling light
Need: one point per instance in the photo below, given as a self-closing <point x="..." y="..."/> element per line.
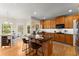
<point x="70" y="10"/>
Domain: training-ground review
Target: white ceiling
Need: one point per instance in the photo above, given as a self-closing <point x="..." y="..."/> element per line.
<point x="26" y="10"/>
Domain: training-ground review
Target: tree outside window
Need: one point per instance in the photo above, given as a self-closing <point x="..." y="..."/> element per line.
<point x="6" y="29"/>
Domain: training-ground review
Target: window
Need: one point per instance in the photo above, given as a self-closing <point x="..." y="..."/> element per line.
<point x="20" y="29"/>
<point x="6" y="28"/>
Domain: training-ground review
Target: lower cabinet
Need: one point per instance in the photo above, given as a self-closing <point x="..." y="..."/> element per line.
<point x="55" y="37"/>
<point x="52" y="36"/>
<point x="47" y="48"/>
<point x="64" y="38"/>
<point x="59" y="37"/>
<point x="69" y="39"/>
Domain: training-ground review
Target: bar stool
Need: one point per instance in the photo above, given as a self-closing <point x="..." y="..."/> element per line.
<point x="36" y="47"/>
<point x="25" y="42"/>
<point x="27" y="50"/>
<point x="9" y="42"/>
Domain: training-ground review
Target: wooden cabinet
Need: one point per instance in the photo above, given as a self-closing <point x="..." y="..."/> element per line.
<point x="69" y="39"/>
<point x="52" y="23"/>
<point x="42" y="24"/>
<point x="69" y="21"/>
<point x="59" y="20"/>
<point x="47" y="48"/>
<point x="47" y="24"/>
<point x="55" y="37"/>
<point x="50" y="47"/>
<point x="52" y="35"/>
<point x="59" y="37"/>
<point x="65" y="38"/>
<point x="76" y="17"/>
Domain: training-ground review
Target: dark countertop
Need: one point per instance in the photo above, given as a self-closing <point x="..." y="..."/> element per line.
<point x="45" y="39"/>
<point x="62" y="33"/>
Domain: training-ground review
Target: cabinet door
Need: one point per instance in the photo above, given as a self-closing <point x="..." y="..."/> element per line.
<point x="47" y="48"/>
<point x="52" y="23"/>
<point x="50" y="47"/>
<point x="69" y="39"/>
<point x="52" y="35"/>
<point x="57" y="21"/>
<point x="47" y="24"/>
<point x="69" y="21"/>
<point x="42" y="24"/>
<point x="61" y="37"/>
<point x="76" y="17"/>
<point x="60" y="20"/>
<point x="55" y="37"/>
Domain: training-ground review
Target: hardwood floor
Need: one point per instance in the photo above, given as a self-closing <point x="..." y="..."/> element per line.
<point x="59" y="49"/>
<point x="15" y="50"/>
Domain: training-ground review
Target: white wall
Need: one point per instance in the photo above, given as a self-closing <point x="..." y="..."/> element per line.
<point x="15" y="23"/>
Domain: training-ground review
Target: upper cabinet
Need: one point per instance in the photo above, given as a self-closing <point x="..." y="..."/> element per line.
<point x="66" y="20"/>
<point x="76" y="17"/>
<point x="69" y="21"/>
<point x="59" y="20"/>
<point x="42" y="24"/>
<point x="52" y="23"/>
<point x="47" y="24"/>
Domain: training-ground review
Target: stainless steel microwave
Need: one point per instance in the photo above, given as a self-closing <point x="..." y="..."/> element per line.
<point x="60" y="26"/>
